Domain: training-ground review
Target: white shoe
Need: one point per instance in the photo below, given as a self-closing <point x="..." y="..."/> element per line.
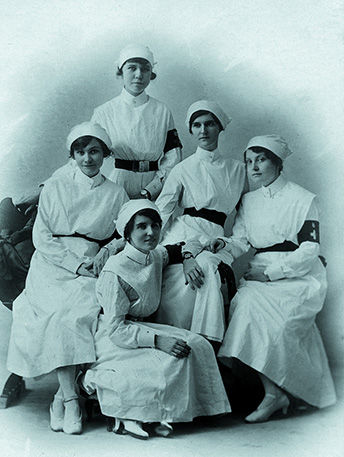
<point x="134" y="428"/>
<point x="57" y="414"/>
<point x="272" y="404"/>
<point x="72" y="422"/>
<point x="163" y="429"/>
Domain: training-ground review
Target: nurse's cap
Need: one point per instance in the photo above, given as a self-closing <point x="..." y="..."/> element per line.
<point x="133" y="51"/>
<point x="273" y="143"/>
<point x="129" y="209"/>
<point x="212" y="107"/>
<point x="88" y="129"/>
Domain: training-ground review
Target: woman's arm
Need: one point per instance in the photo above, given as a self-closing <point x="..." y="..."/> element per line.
<point x="170" y="157"/>
<point x="237" y="244"/>
<point x="170" y="196"/>
<point x="167" y="162"/>
<point x="42" y="233"/>
<point x="299" y="262"/>
<point x="116" y="306"/>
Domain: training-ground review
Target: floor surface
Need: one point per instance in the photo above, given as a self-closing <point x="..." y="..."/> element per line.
<point x="25" y="429"/>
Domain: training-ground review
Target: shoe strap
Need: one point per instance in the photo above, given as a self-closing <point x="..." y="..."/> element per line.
<point x="71" y="399"/>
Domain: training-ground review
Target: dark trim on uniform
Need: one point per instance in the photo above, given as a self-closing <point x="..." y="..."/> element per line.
<point x="137" y="166"/>
<point x="93" y="240"/>
<point x="209" y="214"/>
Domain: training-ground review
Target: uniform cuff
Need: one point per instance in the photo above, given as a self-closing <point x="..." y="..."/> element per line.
<point x="146" y="338"/>
<point x="193" y="246"/>
<point x="154" y="187"/>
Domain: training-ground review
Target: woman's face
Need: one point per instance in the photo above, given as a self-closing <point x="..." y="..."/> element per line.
<point x="206" y="130"/>
<point x="145" y="234"/>
<point x="261" y="170"/>
<point x="136" y="75"/>
<point x="90" y="158"/>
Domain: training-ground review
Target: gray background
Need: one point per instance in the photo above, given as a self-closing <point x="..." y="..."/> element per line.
<point x="274" y="67"/>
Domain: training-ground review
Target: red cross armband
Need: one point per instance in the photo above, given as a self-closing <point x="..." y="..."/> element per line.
<point x="309" y="232"/>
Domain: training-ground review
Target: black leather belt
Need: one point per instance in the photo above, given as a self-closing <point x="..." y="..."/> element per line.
<point x="138" y="166"/>
<point x="209" y="214"/>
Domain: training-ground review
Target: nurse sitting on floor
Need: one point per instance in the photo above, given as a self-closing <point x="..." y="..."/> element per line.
<point x="147" y="372"/>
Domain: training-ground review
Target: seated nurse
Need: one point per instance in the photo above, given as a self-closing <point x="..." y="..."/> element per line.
<point x="272" y="327"/>
<point x="55" y="317"/>
<point x="206" y="187"/>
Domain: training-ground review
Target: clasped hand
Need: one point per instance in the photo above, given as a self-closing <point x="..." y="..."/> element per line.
<point x="214" y="245"/>
<point x="172" y="346"/>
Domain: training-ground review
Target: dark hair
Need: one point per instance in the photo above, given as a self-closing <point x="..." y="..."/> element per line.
<point x="119" y="71"/>
<point x="147" y="212"/>
<point x="83" y="141"/>
<point x="199" y="113"/>
<point x="277" y="161"/>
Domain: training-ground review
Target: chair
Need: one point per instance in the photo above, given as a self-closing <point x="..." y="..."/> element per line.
<point x="16" y="249"/>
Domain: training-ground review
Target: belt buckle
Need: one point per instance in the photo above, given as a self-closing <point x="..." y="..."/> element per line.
<point x="143" y="166"/>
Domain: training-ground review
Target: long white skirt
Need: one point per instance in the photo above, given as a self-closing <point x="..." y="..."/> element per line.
<point x="148" y="385"/>
<point x="54" y="320"/>
<point x="272" y="329"/>
<point x="200" y="310"/>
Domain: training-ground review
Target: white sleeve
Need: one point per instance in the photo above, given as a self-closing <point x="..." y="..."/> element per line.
<point x="115" y="303"/>
<point x="42" y="234"/>
<point x="299" y="262"/>
<point x="237" y="243"/>
<point x="168" y="161"/>
<point x="169" y="198"/>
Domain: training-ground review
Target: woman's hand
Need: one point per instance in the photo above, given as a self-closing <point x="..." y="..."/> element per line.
<point x="100" y="260"/>
<point x="214" y="246"/>
<point x="256" y="273"/>
<point x="84" y="270"/>
<point x="172" y="346"/>
<point x="193" y="273"/>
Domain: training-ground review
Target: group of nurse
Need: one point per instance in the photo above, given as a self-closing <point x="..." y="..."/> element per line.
<point x="146" y="332"/>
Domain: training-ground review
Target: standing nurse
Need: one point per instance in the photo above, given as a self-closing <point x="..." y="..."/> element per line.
<point x="144" y="140"/>
<point x="145" y="143"/>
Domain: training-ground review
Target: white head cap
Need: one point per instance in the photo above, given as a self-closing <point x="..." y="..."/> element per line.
<point x="129" y="209"/>
<point x="273" y="143"/>
<point x="88" y="129"/>
<point x="212" y="107"/>
<point x="133" y="51"/>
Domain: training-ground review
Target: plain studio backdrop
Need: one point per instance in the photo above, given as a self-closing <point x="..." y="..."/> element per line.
<point x="274" y="67"/>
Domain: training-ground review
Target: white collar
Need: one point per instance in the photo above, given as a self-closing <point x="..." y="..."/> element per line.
<point x="209" y="156"/>
<point x="131" y="100"/>
<point x="84" y="180"/>
<point x="271" y="190"/>
<point x="137" y="256"/>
